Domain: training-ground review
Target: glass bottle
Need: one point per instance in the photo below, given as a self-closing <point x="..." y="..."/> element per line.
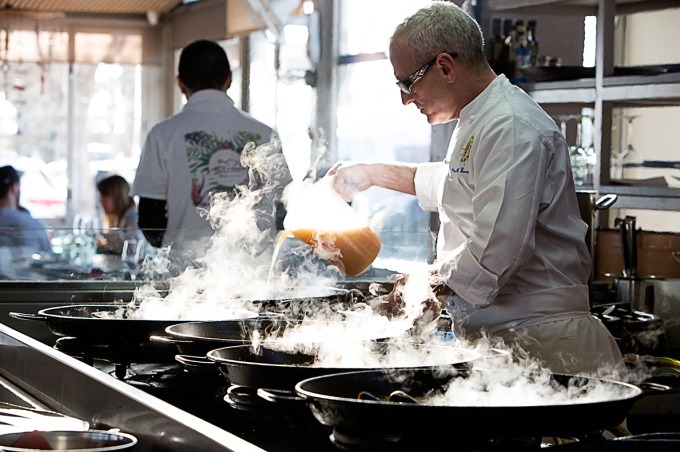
<point x="521" y="50"/>
<point x="579" y="159"/>
<point x="533" y="42"/>
<point x="507" y="57"/>
<point x="494" y="45"/>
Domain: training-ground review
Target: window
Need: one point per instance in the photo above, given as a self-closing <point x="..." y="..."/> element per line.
<point x="65" y="123"/>
<point x="373" y="125"/>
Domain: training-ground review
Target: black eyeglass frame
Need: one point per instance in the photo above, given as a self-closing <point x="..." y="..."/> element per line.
<point x="406" y="83"/>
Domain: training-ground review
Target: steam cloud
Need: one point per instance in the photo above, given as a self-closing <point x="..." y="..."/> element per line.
<point x="239" y="270"/>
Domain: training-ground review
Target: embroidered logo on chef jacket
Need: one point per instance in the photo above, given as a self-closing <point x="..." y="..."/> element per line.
<point x="464" y="157"/>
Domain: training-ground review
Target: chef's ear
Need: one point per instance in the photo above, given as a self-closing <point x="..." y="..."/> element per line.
<point x="447" y="64"/>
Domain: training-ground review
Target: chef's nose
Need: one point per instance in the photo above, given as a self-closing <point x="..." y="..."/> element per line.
<point x="406" y="98"/>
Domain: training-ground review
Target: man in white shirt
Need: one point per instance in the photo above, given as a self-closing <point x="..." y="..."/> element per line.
<point x="198" y="152"/>
<point x="511" y="245"/>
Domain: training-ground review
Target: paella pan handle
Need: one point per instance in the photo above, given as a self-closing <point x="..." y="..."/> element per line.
<point x="279" y="395"/>
<point x="651" y="387"/>
<point x="167" y="340"/>
<point x="197" y="361"/>
<point x="27" y="316"/>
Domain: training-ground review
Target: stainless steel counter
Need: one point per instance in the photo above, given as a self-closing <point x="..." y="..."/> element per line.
<point x="64" y="384"/>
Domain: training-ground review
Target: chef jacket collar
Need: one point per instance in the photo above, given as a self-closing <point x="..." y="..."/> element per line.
<point x="469" y="111"/>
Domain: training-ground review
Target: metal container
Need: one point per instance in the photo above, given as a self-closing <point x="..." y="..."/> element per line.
<point x="588" y="205"/>
<point x="635" y="292"/>
<point x="666" y="306"/>
<point x="67" y="441"/>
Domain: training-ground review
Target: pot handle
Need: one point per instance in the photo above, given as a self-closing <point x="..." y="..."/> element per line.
<point x="192" y="360"/>
<point x="606" y="201"/>
<point x="27" y="316"/>
<point x="278" y="395"/>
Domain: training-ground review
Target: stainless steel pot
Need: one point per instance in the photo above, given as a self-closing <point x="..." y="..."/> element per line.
<point x="633" y="291"/>
<point x="588" y="205"/>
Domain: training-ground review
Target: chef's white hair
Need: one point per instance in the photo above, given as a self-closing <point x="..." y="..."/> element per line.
<point x="441" y="27"/>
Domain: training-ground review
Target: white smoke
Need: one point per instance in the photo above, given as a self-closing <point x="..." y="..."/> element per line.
<point x="240" y="274"/>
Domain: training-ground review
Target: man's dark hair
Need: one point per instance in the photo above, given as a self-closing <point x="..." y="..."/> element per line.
<point x="8" y="177"/>
<point x="204" y="64"/>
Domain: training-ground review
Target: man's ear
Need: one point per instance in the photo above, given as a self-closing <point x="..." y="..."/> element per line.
<point x="448" y="66"/>
<point x="182" y="86"/>
<point x="15" y="189"/>
<point x="227" y="83"/>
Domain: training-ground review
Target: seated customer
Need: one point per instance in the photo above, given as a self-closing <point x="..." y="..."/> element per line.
<point x="120" y="214"/>
<point x="19" y="231"/>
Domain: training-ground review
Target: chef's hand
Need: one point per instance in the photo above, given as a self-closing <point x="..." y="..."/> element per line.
<point x="349" y="178"/>
<point x="392" y="305"/>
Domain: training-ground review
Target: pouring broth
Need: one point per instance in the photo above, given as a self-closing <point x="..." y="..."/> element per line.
<point x="319" y="217"/>
<point x="352" y="250"/>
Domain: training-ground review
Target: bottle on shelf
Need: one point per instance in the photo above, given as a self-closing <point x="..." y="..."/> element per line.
<point x="506" y="60"/>
<point x="533" y="42"/>
<point x="521" y="50"/>
<point x="494" y="45"/>
<point x="579" y="159"/>
<point x="587" y="142"/>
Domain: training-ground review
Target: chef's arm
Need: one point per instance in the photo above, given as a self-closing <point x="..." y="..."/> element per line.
<point x="153" y="220"/>
<point x="394" y="176"/>
<point x="350" y="178"/>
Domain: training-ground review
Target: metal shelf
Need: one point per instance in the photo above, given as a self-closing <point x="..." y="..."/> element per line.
<point x="605" y="92"/>
<point x="646" y="198"/>
<point x="563" y="96"/>
<point x="636" y="91"/>
<point x="648" y="90"/>
<point x="577" y="7"/>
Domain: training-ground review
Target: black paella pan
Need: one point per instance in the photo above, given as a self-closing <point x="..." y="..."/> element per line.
<point x="267" y="367"/>
<point x="340" y="401"/>
<point x="198" y="338"/>
<point x="105" y="324"/>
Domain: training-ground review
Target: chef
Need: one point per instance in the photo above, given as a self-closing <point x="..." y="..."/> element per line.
<point x="510" y="250"/>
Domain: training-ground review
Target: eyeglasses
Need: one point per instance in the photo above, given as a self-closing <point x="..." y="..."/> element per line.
<point x="406" y="84"/>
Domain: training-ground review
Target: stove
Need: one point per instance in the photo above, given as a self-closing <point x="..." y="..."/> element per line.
<point x="142" y="390"/>
<point x="441" y="440"/>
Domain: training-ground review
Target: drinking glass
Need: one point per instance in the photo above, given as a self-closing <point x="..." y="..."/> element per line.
<point x="131" y="252"/>
<point x="617" y="170"/>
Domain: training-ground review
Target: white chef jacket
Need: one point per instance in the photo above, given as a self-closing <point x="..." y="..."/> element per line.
<point x="511" y="239"/>
<point x="195" y="153"/>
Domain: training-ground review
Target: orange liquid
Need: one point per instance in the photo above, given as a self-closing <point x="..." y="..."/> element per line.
<point x="351" y="250"/>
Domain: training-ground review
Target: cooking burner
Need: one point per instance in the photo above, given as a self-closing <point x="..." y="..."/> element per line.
<point x="119" y="352"/>
<point x="121" y="355"/>
<point x="245" y="399"/>
<point x="443" y="440"/>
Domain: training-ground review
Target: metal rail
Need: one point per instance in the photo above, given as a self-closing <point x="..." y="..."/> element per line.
<point x="68" y="386"/>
